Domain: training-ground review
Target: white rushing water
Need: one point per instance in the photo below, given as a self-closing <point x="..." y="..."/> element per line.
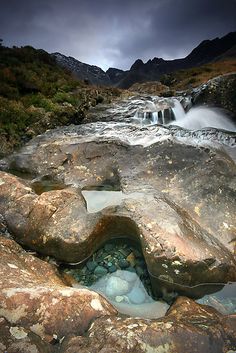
<point x="200" y="117"/>
<point x="171" y="112"/>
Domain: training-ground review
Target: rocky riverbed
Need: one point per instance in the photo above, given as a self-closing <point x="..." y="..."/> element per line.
<point x="138" y="294"/>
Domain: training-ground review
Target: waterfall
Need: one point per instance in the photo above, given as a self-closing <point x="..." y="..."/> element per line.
<point x="178" y="110"/>
<point x="154" y="118"/>
<point x="201" y="117"/>
<point x="171" y="112"/>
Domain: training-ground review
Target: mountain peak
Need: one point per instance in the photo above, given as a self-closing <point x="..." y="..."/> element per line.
<point x="206" y="52"/>
<point x="137" y="64"/>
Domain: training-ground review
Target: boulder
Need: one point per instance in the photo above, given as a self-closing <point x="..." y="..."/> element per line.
<point x="37" y="307"/>
<point x="173" y="189"/>
<point x="40" y="314"/>
<point x="187" y="327"/>
<point x="55" y="223"/>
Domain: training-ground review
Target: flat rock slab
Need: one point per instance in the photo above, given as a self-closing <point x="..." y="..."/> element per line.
<point x="183" y="211"/>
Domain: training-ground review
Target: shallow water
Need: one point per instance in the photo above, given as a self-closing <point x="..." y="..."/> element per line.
<point x="118" y="272"/>
<point x="223" y="300"/>
<point x="96" y="200"/>
<point x="128" y="295"/>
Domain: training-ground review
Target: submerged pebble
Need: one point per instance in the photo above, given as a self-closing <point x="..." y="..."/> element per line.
<point x="91" y="265"/>
<point x="137" y="296"/>
<point x="100" y="271"/>
<point x="116" y="287"/>
<point x="112" y="268"/>
<point x="115" y="257"/>
<point x="123" y="263"/>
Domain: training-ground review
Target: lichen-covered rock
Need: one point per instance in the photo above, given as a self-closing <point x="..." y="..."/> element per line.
<point x="18" y="339"/>
<point x="34" y="301"/>
<point x="53" y="223"/>
<point x="188" y="327"/>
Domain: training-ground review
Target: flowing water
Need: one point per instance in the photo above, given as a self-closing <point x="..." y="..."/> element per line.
<point x="119" y="272"/>
<point x="200" y="117"/>
<point x="171" y="112"/>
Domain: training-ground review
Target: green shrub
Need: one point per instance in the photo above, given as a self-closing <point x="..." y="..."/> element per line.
<point x="62" y="97"/>
<point x="191" y="81"/>
<point x="37" y="100"/>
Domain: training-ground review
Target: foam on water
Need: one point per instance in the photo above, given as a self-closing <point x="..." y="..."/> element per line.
<point x="200" y="117"/>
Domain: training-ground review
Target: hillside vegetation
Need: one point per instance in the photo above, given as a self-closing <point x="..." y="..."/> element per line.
<point x="190" y="78"/>
<point x="185" y="79"/>
<point x="36" y="94"/>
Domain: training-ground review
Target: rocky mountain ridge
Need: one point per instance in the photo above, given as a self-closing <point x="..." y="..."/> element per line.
<point x="94" y="74"/>
<point x="206" y="52"/>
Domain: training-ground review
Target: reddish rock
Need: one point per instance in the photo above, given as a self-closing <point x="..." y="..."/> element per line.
<point x="188" y="328"/>
<point x="176" y="248"/>
<point x="179" y="189"/>
<point x="35" y="300"/>
<point x="17" y="339"/>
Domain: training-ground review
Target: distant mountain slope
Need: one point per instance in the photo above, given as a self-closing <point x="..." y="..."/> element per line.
<point x="93" y="74"/>
<point x="206" y="52"/>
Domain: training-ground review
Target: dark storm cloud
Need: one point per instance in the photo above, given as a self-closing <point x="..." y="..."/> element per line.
<point x="115" y="33"/>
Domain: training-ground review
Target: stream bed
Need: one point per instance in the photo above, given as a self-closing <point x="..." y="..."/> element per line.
<point x="118" y="271"/>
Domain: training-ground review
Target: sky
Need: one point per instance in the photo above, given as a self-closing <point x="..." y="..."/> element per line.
<point x="114" y="33"/>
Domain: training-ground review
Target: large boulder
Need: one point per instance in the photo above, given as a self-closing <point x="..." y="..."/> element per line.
<point x="40" y="314"/>
<point x="36" y="306"/>
<point x="173" y="189"/>
<point x="188" y="327"/>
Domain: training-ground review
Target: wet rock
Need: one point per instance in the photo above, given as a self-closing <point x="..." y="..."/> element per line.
<point x="100" y="271"/>
<point x="91" y="265"/>
<point x="187" y="327"/>
<point x="123" y="264"/>
<point x="131" y="259"/>
<point x="218" y="92"/>
<point x="108" y="247"/>
<point x="116" y="286"/>
<point x="36" y="304"/>
<point x="112" y="268"/>
<point x="137" y="295"/>
<point x="171" y="196"/>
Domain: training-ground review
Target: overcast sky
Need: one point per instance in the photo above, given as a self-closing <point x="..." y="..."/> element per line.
<point x="114" y="33"/>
